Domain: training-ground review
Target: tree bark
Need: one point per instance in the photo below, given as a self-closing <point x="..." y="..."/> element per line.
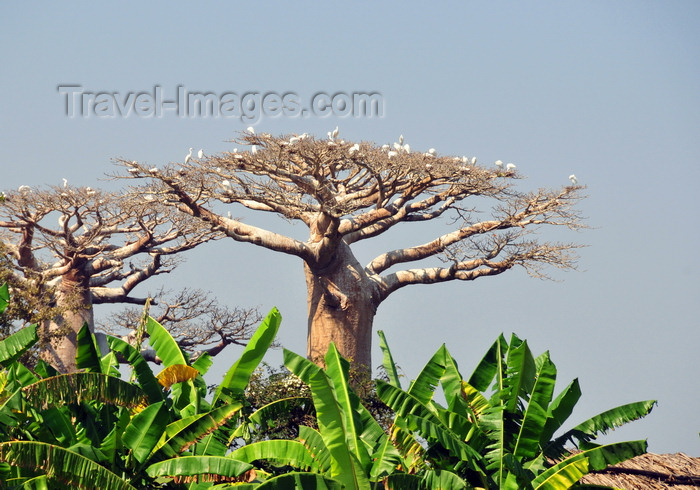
<point x="60" y="334"/>
<point x="342" y="302"/>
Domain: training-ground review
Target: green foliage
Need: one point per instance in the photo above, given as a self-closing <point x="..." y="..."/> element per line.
<point x="498" y="427"/>
<point x="308" y="427"/>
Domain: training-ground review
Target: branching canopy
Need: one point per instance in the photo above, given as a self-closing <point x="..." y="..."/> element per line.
<point x="348" y="192"/>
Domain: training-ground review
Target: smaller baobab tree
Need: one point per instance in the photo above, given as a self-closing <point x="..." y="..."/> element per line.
<point x="344" y="193"/>
<point x="197" y="322"/>
<point x="76" y="247"/>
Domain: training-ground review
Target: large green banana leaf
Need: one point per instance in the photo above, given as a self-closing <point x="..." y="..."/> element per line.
<point x="527" y="443"/>
<point x="423" y="387"/>
<point x="486" y="370"/>
<point x="143" y="372"/>
<point x="145" y="430"/>
<point x="388" y="361"/>
<point x="600" y="457"/>
<point x="17" y="344"/>
<point x="182" y="434"/>
<point x="280" y="453"/>
<point x="167" y="349"/>
<point x="76" y="387"/>
<point x="87" y="355"/>
<point x="562" y="475"/>
<point x="238" y="376"/>
<point x="344" y="465"/>
<point x="520" y="376"/>
<point x="605" y="421"/>
<point x="62" y="464"/>
<point x="203" y="466"/>
<point x="558" y="412"/>
<point x="338" y="371"/>
<point x="313" y="442"/>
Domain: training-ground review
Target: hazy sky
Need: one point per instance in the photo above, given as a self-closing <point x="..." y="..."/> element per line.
<point x="608" y="90"/>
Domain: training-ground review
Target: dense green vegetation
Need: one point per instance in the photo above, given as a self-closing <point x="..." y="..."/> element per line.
<point x="502" y="427"/>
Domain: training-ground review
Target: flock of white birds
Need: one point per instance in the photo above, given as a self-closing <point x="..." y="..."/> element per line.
<point x="398" y="146"/>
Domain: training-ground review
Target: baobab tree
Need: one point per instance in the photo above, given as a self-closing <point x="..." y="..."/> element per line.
<point x="197" y="322"/>
<point x="76" y="247"/>
<point x="346" y="192"/>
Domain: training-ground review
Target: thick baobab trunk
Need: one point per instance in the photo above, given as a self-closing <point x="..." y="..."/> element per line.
<point x="342" y="304"/>
<point x="60" y="334"/>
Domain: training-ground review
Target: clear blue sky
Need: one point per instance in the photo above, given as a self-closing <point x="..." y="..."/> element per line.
<point x="608" y="90"/>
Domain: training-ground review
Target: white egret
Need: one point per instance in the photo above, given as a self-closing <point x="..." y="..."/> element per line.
<point x="200" y="154"/>
<point x="133" y="170"/>
<point x="254" y="149"/>
<point x="149" y="198"/>
<point x="65" y="183"/>
<point x="385" y="147"/>
<point x="473" y="160"/>
<point x="226" y="183"/>
<point x="407" y="148"/>
<point x="401" y="139"/>
<point x="465" y="160"/>
<point x="428" y="166"/>
<point x="294" y="139"/>
<point x="153" y="170"/>
<point x="134" y="162"/>
<point x="89" y="191"/>
<point x="335" y="133"/>
<point x="573" y="179"/>
<point x="251" y="129"/>
<point x="391" y="154"/>
<point x="432" y="151"/>
<point x="499" y="164"/>
<point x="511" y="166"/>
<point x="24" y="188"/>
<point x="354" y="148"/>
<point x="189" y="156"/>
<point x="397" y="146"/>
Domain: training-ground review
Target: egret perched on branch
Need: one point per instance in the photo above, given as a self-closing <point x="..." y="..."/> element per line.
<point x="65" y="183"/>
<point x="432" y="151"/>
<point x="254" y="149"/>
<point x="200" y="154"/>
<point x="401" y="139"/>
<point x="251" y="129"/>
<point x="354" y="148"/>
<point x="391" y="154"/>
<point x="573" y="179"/>
<point x="189" y="156"/>
<point x="511" y="166"/>
<point x="153" y="170"/>
<point x="335" y="133"/>
<point x="133" y="170"/>
<point x="24" y="188"/>
<point x="499" y="164"/>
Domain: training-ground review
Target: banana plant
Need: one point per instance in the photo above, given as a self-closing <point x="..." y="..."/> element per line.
<point x="507" y="415"/>
<point x="92" y="429"/>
